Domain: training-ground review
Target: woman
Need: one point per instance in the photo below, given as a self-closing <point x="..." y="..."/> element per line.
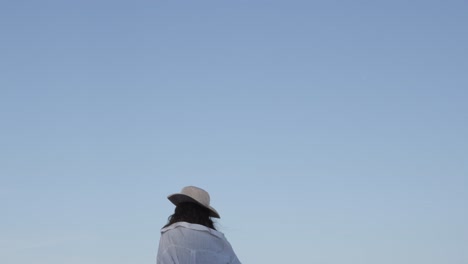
<point x="190" y="237"/>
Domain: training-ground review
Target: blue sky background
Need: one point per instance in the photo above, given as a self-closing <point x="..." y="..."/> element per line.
<point x="326" y="131"/>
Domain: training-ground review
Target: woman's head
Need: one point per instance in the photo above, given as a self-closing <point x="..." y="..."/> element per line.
<point x="196" y="195"/>
<point x="191" y="213"/>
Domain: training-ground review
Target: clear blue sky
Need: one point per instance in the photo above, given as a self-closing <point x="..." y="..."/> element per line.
<point x="326" y="132"/>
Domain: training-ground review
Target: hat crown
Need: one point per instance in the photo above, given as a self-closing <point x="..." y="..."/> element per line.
<point x="198" y="194"/>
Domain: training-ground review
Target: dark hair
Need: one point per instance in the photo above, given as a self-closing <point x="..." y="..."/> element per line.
<point x="192" y="213"/>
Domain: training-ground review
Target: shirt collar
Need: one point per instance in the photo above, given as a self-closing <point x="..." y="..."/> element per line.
<point x="193" y="227"/>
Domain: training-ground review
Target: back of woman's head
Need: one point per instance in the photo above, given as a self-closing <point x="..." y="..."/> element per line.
<point x="191" y="213"/>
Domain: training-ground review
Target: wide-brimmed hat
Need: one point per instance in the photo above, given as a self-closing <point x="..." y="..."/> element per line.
<point x="194" y="195"/>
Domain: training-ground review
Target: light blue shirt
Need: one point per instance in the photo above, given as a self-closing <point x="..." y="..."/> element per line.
<point x="185" y="243"/>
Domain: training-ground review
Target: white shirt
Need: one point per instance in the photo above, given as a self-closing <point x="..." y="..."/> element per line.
<point x="185" y="243"/>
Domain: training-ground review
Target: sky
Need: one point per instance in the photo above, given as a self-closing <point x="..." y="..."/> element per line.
<point x="325" y="131"/>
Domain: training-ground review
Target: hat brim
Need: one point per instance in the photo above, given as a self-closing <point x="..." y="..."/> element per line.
<point x="178" y="198"/>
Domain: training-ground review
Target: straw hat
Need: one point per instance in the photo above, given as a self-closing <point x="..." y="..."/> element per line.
<point x="194" y="195"/>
